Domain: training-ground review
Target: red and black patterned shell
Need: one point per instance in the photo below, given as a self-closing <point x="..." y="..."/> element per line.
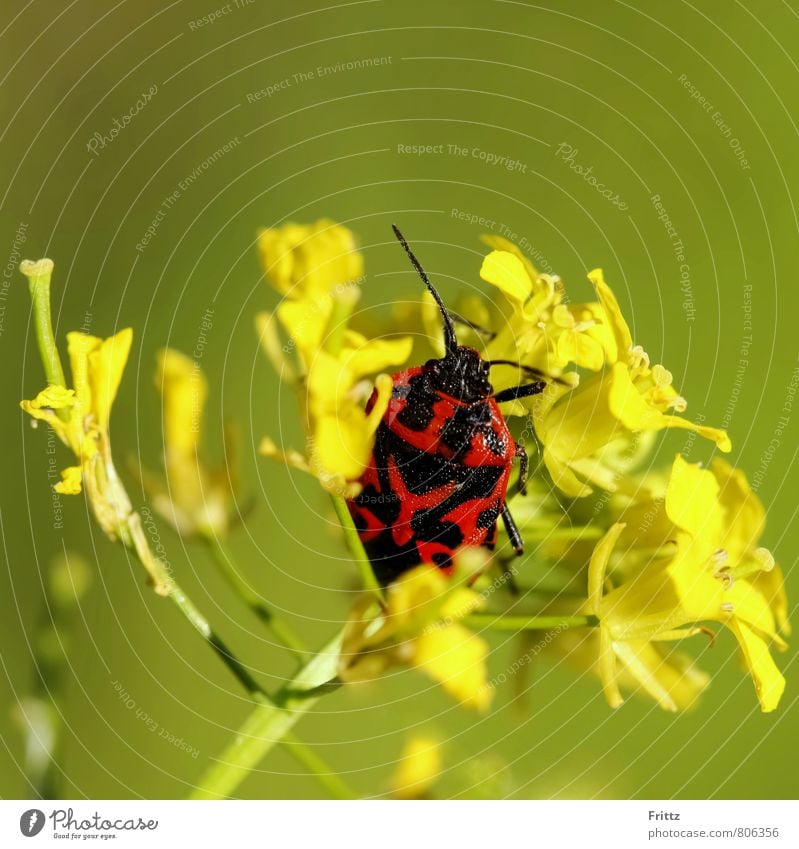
<point x="437" y="477"/>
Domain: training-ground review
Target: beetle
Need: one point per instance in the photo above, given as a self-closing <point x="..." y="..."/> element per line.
<point x="438" y="475"/>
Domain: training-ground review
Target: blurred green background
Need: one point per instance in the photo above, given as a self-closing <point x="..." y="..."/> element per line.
<point x="694" y="103"/>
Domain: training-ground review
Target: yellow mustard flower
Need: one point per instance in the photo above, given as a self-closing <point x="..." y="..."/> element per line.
<point x="318" y="271"/>
<point x="540" y="328"/>
<point x="417" y="769"/>
<point x="718" y="509"/>
<point x="196" y="500"/>
<point x="305" y="261"/>
<point x="80" y="416"/>
<point x="700" y="582"/>
<point x="627" y="397"/>
<point x="420" y="627"/>
<point x="670" y="677"/>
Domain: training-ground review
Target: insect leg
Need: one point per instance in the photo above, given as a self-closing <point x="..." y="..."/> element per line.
<point x="524" y="464"/>
<point x="515" y="392"/>
<point x="513" y="532"/>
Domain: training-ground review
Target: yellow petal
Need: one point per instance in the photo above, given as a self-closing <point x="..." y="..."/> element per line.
<point x="305" y="321"/>
<point x="772" y="587"/>
<point x="309" y="260"/>
<point x="768" y="680"/>
<point x="608" y="669"/>
<point x="79" y="346"/>
<point x="750" y="606"/>
<point x="692" y="501"/>
<point x="700" y="596"/>
<point x="415" y="591"/>
<point x="70" y="483"/>
<point x="638" y="662"/>
<point x="507" y="273"/>
<point x="598" y="566"/>
<point x="184" y="389"/>
<point x="455" y="658"/>
<point x="745" y="517"/>
<point x="635" y="413"/>
<point x="671" y="680"/>
<point x="341" y="445"/>
<point x="266" y="327"/>
<point x="55" y="397"/>
<point x="377" y="354"/>
<point x="418" y="767"/>
<point x="563" y="477"/>
<point x="714" y="434"/>
<point x="106" y="365"/>
<point x="613" y="316"/>
<point x="498" y="243"/>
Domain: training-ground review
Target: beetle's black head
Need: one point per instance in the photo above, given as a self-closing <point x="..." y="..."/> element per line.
<point x="462" y="374"/>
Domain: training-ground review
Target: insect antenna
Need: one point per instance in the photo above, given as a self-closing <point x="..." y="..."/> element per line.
<point x="450" y="340"/>
<point x="534" y="372"/>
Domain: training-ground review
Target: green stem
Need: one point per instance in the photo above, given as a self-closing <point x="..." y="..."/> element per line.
<point x="563" y="533"/>
<point x="38" y="274"/>
<point x="200" y="624"/>
<point x="268" y="724"/>
<point x="355" y="546"/>
<point x="266" y="705"/>
<point x="305" y="755"/>
<point x="230" y="571"/>
<point x="529" y="623"/>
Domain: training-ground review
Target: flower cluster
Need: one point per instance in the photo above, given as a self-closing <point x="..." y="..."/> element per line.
<point x="80" y="417"/>
<point x="420" y="626"/>
<point x="318" y="271"/>
<point x="677" y="551"/>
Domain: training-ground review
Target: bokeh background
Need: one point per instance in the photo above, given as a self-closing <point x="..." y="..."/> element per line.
<point x="693" y="102"/>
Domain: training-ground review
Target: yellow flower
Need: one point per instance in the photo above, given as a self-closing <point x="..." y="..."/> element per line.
<point x="317" y="268"/>
<point x="539" y="328"/>
<point x="418" y="768"/>
<point x="420" y="627"/>
<point x="627" y="397"/>
<point x="668" y="676"/>
<point x="80" y="416"/>
<point x="306" y="261"/>
<point x="196" y="499"/>
<point x="700" y="582"/>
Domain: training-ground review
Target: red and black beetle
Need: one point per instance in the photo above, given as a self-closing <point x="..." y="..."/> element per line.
<point x="438" y="475"/>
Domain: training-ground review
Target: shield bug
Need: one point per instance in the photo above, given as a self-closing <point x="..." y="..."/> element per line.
<point x="438" y="475"/>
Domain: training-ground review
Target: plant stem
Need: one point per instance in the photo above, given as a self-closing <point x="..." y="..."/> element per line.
<point x="496" y="622"/>
<point x="266" y="706"/>
<point x="38" y="274"/>
<point x="355" y="546"/>
<point x="230" y="571"/>
<point x="334" y="785"/>
<point x="269" y="723"/>
<point x="562" y="533"/>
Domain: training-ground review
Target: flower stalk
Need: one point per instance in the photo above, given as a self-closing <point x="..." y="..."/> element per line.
<point x="97" y="368"/>
<point x="370" y="582"/>
<point x="232" y="574"/>
<point x="529" y="623"/>
<point x="271" y="722"/>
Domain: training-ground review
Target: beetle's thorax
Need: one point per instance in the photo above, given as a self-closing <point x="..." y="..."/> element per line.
<point x="462" y="374"/>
